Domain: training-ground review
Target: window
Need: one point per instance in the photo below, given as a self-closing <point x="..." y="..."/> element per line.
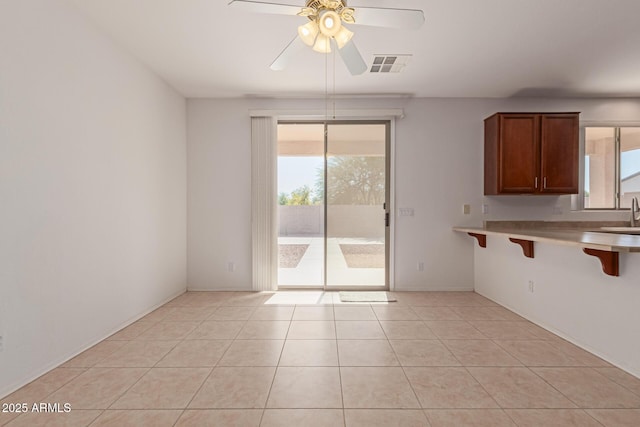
<point x="611" y="167"/>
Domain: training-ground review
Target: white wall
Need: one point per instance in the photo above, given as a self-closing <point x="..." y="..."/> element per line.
<point x="439" y="167"/>
<point x="219" y="209"/>
<point x="572" y="296"/>
<point x="92" y="188"/>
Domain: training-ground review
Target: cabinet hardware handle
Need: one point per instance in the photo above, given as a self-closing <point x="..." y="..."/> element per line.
<point x="536" y="183"/>
<point x="544" y="183"/>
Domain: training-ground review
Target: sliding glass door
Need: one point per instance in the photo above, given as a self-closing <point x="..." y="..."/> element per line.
<point x="356" y="201"/>
<point x="333" y="195"/>
<point x="301" y="148"/>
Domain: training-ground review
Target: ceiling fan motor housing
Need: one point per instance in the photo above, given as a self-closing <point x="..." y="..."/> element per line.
<point x="320" y="5"/>
<point x="327" y="4"/>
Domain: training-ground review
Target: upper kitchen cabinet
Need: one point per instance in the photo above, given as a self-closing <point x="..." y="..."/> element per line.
<point x="531" y="153"/>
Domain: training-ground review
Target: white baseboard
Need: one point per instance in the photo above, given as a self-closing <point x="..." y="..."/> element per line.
<point x="569" y="338"/>
<point x="434" y="289"/>
<point x="61" y="360"/>
<point x="195" y="289"/>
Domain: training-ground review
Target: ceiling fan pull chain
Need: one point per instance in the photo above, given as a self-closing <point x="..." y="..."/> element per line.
<point x="326" y="87"/>
<point x="334" y="83"/>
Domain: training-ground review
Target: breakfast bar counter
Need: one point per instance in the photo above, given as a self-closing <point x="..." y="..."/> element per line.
<point x="603" y="245"/>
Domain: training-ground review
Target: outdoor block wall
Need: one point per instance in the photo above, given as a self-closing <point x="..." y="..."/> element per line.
<point x="344" y="221"/>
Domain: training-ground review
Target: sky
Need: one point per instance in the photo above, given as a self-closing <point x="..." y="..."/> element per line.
<point x="630" y="163"/>
<point x="295" y="172"/>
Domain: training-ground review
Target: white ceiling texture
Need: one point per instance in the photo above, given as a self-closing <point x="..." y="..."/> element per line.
<point x="466" y="48"/>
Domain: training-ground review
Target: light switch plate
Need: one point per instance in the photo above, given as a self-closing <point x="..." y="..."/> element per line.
<point x="406" y="211"/>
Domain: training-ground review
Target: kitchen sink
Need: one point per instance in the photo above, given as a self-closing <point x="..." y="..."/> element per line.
<point x="621" y="230"/>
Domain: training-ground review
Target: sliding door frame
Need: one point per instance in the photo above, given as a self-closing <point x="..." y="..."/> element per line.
<point x="388" y="204"/>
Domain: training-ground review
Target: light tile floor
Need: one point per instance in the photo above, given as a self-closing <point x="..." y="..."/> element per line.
<point x="262" y="359"/>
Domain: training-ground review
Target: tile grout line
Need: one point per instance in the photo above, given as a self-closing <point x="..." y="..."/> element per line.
<point x="461" y="365"/>
<point x="103" y="410"/>
<point x="594" y="368"/>
<point x="184" y="410"/>
<point x="93" y="421"/>
<point x="406" y="377"/>
<point x="129" y="388"/>
<point x="466" y="368"/>
<point x="148" y="369"/>
<point x="551" y="385"/>
<point x="335" y="330"/>
<point x="275" y="371"/>
<point x="180" y="340"/>
<point x="592" y="417"/>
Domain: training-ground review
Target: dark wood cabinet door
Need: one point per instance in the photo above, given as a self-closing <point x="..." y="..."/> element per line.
<point x="559" y="153"/>
<point x="518" y="153"/>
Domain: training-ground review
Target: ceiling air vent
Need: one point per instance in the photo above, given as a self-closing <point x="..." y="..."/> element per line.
<point x="389" y="63"/>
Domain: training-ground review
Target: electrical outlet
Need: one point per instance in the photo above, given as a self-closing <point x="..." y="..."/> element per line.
<point x="231" y="267"/>
<point x="1" y="343"/>
<point x="531" y="286"/>
<point x="420" y="266"/>
<point x="406" y="212"/>
<point x="466" y="209"/>
<point x="485" y="209"/>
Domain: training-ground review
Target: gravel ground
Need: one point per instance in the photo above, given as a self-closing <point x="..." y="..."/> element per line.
<point x="289" y="256"/>
<point x="363" y="256"/>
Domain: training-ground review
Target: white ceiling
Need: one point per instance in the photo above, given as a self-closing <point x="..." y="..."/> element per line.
<point x="467" y="48"/>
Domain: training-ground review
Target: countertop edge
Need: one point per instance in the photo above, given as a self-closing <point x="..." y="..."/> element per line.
<point x="577" y="238"/>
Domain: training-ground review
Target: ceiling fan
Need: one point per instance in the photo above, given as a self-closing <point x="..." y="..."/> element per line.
<point x="326" y="28"/>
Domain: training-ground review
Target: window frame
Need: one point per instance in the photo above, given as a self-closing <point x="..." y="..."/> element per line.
<point x="578" y="199"/>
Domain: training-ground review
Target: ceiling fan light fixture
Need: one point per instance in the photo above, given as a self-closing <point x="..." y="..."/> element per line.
<point x="323" y="44"/>
<point x="327" y="19"/>
<point x="343" y="37"/>
<point x="308" y="33"/>
<point x="329" y="23"/>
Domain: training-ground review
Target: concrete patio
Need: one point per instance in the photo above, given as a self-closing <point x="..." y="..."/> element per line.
<point x="310" y="270"/>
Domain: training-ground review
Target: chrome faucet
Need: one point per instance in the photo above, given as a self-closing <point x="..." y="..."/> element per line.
<point x="635" y="213"/>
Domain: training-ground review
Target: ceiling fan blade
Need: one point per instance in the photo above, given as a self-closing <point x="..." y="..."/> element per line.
<point x="288" y="54"/>
<point x="352" y="59"/>
<point x="410" y="19"/>
<point x="259" y="7"/>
